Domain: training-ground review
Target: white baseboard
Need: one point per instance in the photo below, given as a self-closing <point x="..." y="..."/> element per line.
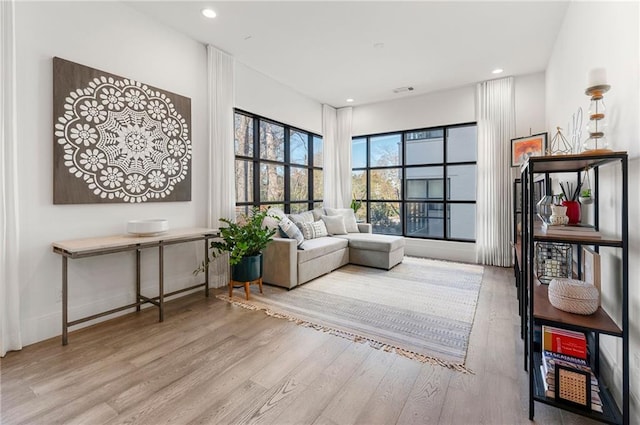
<point x="443" y="250"/>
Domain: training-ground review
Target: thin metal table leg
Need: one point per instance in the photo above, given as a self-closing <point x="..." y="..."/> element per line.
<point x="64" y="301"/>
<point x="161" y="282"/>
<point x="138" y="279"/>
<point x="206" y="267"/>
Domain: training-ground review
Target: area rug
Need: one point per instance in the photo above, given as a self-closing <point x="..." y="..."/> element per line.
<point x="422" y="309"/>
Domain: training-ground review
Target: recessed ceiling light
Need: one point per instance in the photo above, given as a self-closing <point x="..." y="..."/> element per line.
<point x="349" y="100"/>
<point x="497" y="71"/>
<point x="209" y="13"/>
<point x="378" y="45"/>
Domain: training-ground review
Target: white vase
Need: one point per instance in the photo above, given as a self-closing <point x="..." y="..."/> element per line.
<point x="558" y="215"/>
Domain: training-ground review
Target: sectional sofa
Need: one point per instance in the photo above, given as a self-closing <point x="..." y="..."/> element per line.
<point x="287" y="263"/>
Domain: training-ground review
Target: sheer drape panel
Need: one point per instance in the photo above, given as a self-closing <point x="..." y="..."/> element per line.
<point x="336" y="133"/>
<point x="495" y="109"/>
<point x="221" y="194"/>
<point x="10" y="338"/>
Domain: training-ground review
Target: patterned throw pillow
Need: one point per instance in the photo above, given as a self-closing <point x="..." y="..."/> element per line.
<point x="335" y="224"/>
<point x="350" y="222"/>
<point x="317" y="229"/>
<point x="289" y="228"/>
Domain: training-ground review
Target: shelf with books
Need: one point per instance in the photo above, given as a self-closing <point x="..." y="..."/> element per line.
<point x="610" y="412"/>
<point x="537" y="311"/>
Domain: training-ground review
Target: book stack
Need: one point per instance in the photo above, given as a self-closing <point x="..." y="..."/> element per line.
<point x="568" y="349"/>
<point x="575" y="230"/>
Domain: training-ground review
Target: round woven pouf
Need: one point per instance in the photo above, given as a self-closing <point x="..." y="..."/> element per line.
<point x="574" y="296"/>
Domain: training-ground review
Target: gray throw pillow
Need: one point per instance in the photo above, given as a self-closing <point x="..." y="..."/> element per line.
<point x="289" y="228"/>
<point x="304" y="217"/>
<point x="270" y="221"/>
<point x="317" y="229"/>
<point x="335" y="224"/>
<point x="349" y="218"/>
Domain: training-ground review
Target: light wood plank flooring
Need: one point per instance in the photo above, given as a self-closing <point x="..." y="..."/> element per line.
<point x="214" y="363"/>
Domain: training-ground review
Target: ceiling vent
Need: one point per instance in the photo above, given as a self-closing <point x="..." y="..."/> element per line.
<point x="403" y="89"/>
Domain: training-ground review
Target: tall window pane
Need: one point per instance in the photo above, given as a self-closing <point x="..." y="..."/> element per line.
<point x="424" y="183"/>
<point x="385" y="150"/>
<point x="243" y="135"/>
<point x="385" y="218"/>
<point x="318" y="152"/>
<point x="318" y="184"/>
<point x="271" y="182"/>
<point x="462" y="182"/>
<point x="299" y="148"/>
<point x="425" y="219"/>
<point x="424" y="147"/>
<point x="271" y="141"/>
<point x="244" y="181"/>
<point x="462" y="221"/>
<point x="359" y="184"/>
<point x="462" y="144"/>
<point x="386" y="183"/>
<point x="359" y="153"/>
<point x="299" y="182"/>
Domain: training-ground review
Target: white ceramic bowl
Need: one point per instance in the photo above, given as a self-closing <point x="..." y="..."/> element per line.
<point x="154" y="226"/>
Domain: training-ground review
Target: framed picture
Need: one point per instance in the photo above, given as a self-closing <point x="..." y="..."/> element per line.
<point x="591" y="267"/>
<point x="573" y="386"/>
<point x="524" y="147"/>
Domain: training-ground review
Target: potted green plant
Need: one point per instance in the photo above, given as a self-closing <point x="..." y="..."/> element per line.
<point x="585" y="197"/>
<point x="244" y="240"/>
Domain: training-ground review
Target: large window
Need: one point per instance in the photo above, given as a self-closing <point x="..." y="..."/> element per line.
<point x="276" y="165"/>
<point x="418" y="183"/>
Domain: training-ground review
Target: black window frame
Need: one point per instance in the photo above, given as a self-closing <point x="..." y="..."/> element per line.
<point x="445" y="201"/>
<point x="257" y="161"/>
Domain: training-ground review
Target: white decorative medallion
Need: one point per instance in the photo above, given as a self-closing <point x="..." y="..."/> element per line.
<point x="118" y="140"/>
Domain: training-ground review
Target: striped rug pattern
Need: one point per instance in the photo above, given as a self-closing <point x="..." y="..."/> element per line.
<point x="422" y="309"/>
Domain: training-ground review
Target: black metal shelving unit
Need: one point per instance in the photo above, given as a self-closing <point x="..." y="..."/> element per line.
<point x="536" y="309"/>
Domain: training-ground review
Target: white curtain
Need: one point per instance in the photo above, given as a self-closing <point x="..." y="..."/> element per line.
<point x="336" y="133"/>
<point x="495" y="109"/>
<point x="10" y="338"/>
<point x="221" y="194"/>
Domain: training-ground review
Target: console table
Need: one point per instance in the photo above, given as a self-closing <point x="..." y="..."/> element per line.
<point x="89" y="247"/>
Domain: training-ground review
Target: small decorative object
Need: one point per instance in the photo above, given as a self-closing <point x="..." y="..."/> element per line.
<point x="574" y="296"/>
<point x="151" y="227"/>
<point x="543" y="207"/>
<point x="552" y="260"/>
<point x="558" y="215"/>
<point x="524" y="147"/>
<point x="585" y="194"/>
<point x="575" y="130"/>
<point x="573" y="386"/>
<point x="596" y="143"/>
<point x="559" y="144"/>
<point x="573" y="206"/>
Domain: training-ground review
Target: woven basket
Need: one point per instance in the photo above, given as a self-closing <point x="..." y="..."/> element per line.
<point x="574" y="296"/>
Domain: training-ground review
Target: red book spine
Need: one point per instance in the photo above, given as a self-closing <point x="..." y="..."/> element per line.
<point x="565" y="342"/>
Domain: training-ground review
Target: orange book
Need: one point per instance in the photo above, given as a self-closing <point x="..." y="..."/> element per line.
<point x="564" y="342"/>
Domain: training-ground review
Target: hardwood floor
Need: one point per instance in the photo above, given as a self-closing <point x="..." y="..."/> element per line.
<point x="213" y="363"/>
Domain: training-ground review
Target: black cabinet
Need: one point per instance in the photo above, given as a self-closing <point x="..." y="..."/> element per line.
<point x="535" y="305"/>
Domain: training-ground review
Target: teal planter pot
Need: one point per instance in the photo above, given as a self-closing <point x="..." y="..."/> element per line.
<point x="248" y="269"/>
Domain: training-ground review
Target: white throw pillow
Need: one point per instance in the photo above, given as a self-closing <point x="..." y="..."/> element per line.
<point x="290" y="229"/>
<point x="335" y="224"/>
<point x="317" y="229"/>
<point x="350" y="222"/>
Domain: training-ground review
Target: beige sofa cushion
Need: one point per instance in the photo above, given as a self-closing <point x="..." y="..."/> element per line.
<point x="315" y="248"/>
<point x="373" y="242"/>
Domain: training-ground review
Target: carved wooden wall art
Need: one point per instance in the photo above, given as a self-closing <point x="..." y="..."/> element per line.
<point x="117" y="140"/>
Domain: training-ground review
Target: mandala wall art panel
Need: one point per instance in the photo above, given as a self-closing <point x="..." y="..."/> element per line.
<point x="117" y="140"/>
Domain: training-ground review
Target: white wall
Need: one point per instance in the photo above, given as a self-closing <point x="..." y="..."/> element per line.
<point x="262" y="95"/>
<point x="446" y="107"/>
<point x="612" y="43"/>
<point x="115" y="38"/>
